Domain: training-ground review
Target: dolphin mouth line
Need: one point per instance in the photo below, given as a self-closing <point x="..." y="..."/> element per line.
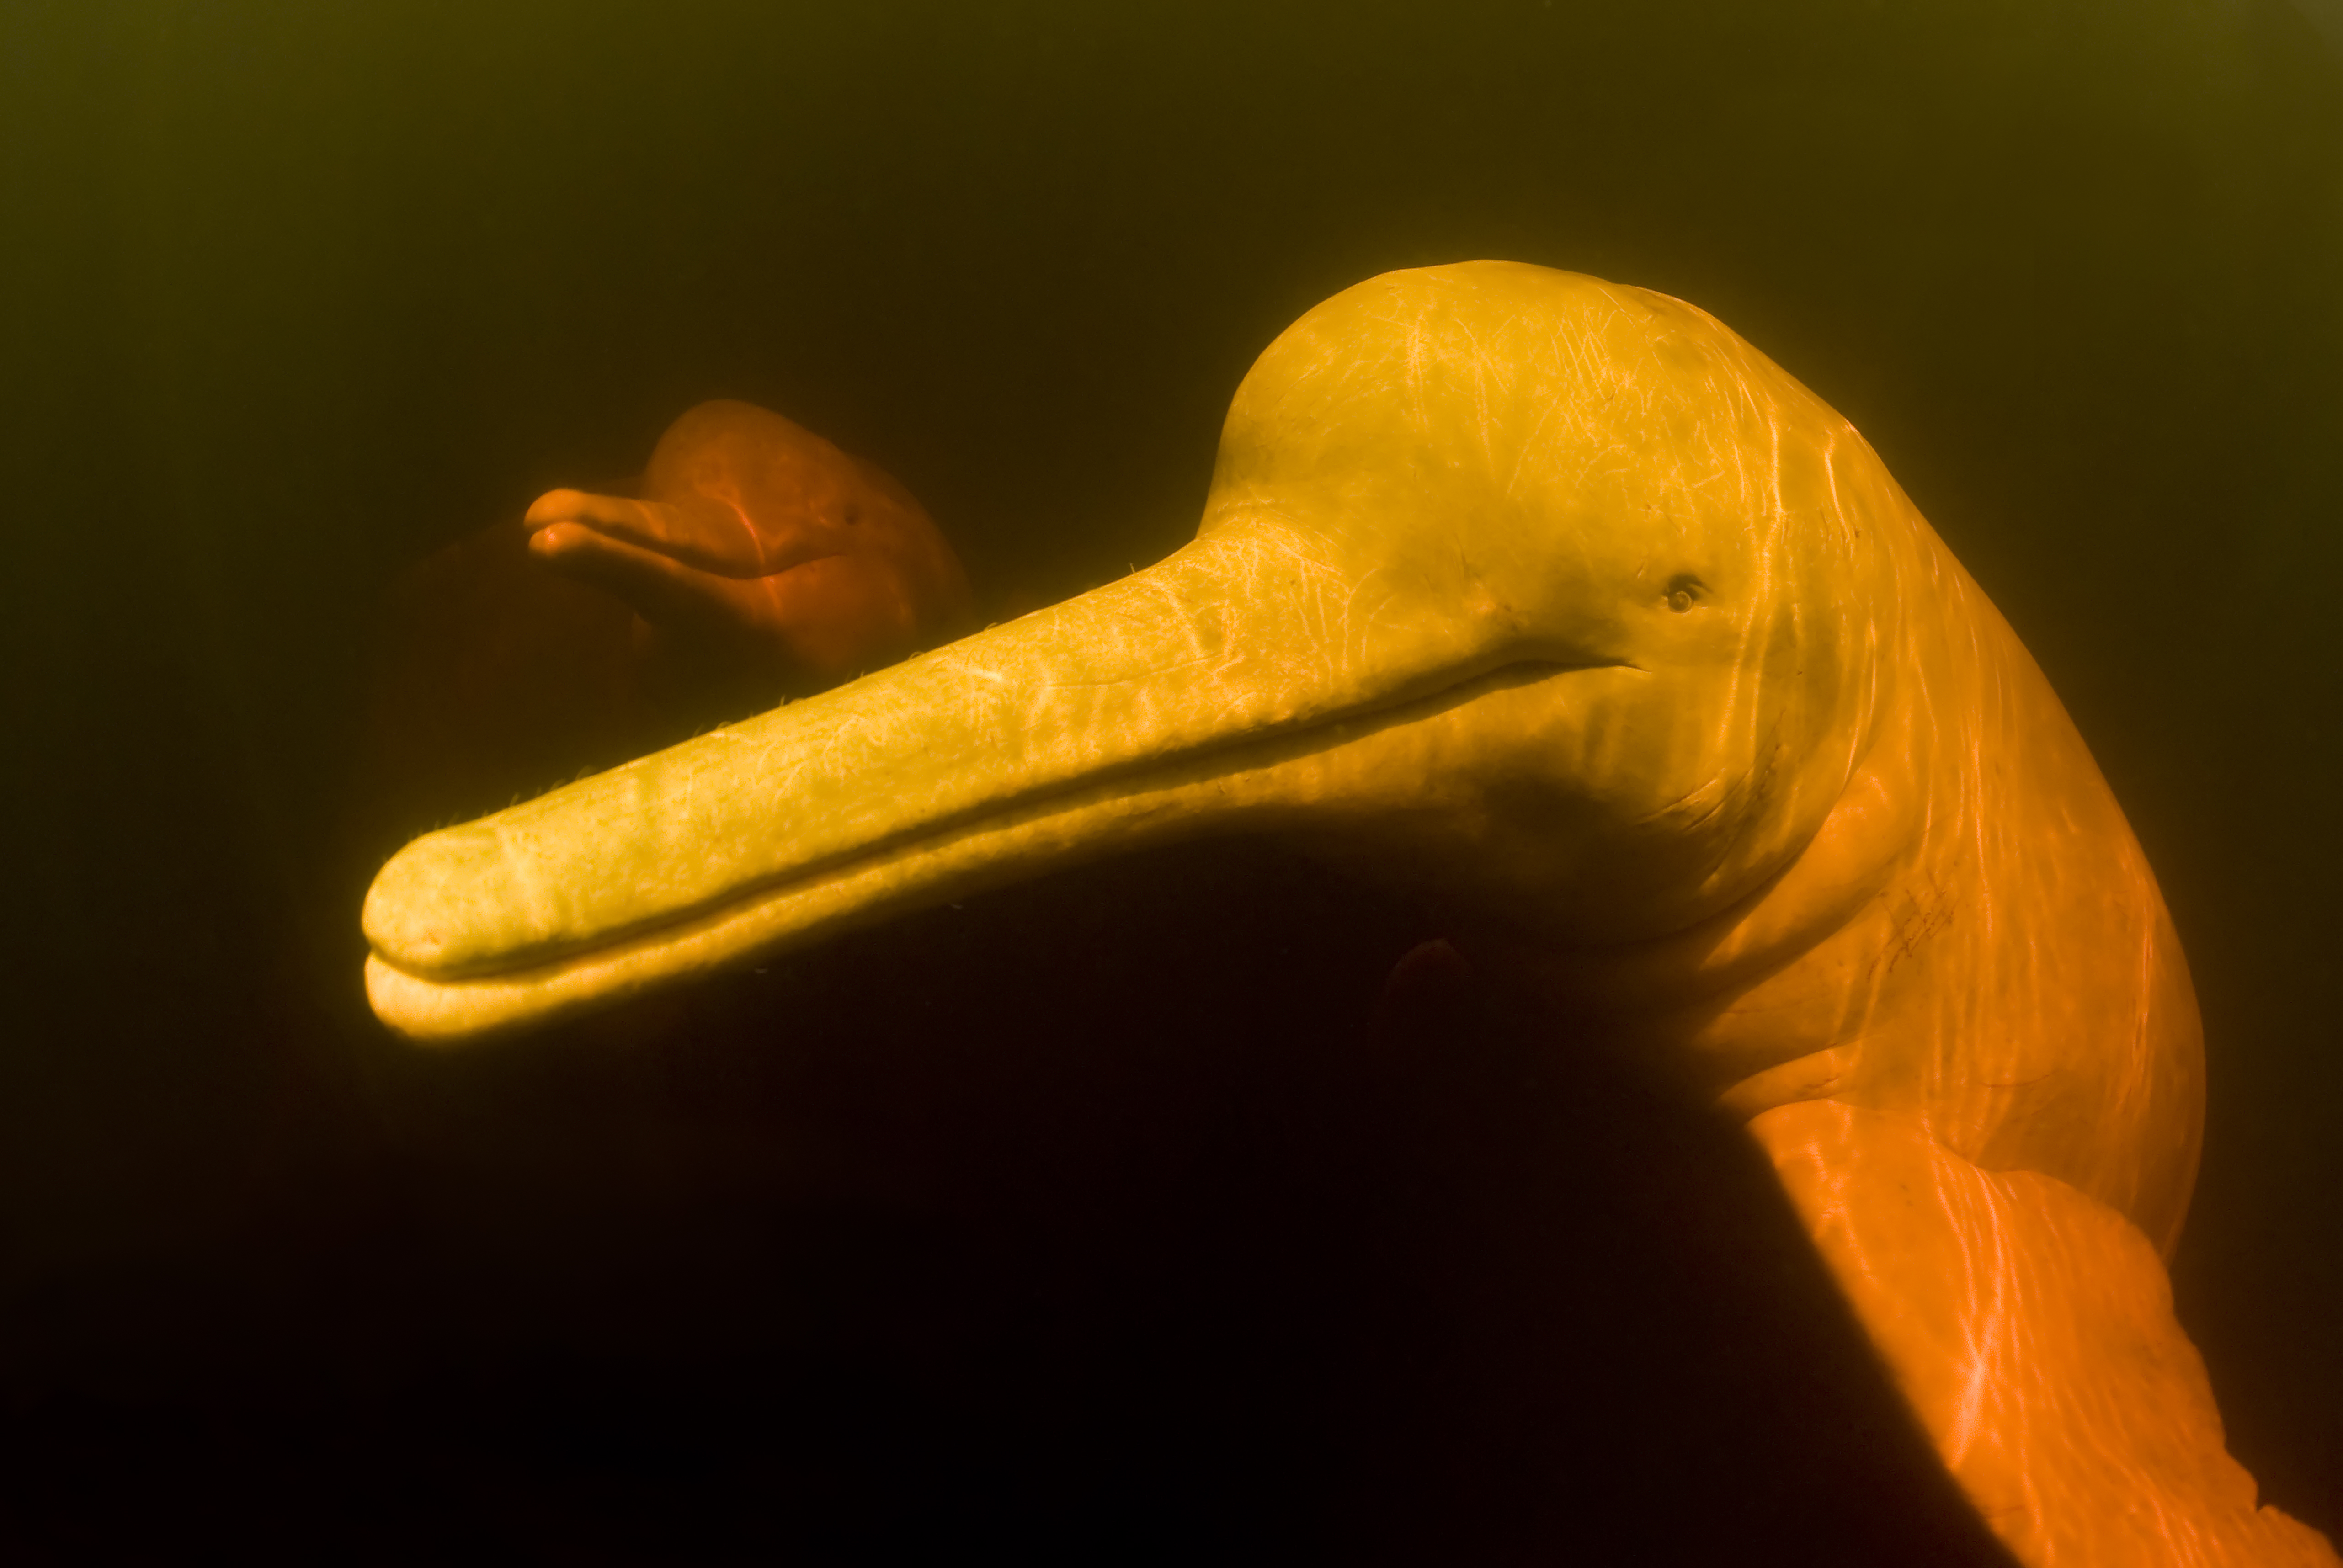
<point x="747" y="571"/>
<point x="1267" y="746"/>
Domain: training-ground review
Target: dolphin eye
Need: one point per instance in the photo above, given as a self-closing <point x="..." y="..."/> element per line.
<point x="1685" y="590"/>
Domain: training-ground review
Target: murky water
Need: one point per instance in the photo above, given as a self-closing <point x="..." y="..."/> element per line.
<point x="301" y="293"/>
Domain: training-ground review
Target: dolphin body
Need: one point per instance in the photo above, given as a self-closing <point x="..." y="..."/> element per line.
<point x="1556" y="606"/>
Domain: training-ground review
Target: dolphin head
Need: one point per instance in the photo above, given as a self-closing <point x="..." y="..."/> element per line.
<point x="1549" y="600"/>
<point x="1607" y="497"/>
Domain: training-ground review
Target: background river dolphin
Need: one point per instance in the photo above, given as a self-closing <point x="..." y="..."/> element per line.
<point x="1559" y="608"/>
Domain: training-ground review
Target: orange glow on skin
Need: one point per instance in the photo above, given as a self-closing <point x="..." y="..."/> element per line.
<point x="755" y="561"/>
<point x="2031" y="1327"/>
<point x="756" y="536"/>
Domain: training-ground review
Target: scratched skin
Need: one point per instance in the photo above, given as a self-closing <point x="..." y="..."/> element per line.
<point x="1559" y="608"/>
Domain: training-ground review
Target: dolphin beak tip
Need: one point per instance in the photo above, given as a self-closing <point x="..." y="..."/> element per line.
<point x="432" y="1014"/>
<point x="388" y="989"/>
<point x="392" y="933"/>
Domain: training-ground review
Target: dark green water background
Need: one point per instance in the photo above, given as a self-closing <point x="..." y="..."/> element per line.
<point x="291" y="293"/>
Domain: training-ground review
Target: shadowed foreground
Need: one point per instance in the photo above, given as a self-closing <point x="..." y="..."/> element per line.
<point x="881" y="1255"/>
